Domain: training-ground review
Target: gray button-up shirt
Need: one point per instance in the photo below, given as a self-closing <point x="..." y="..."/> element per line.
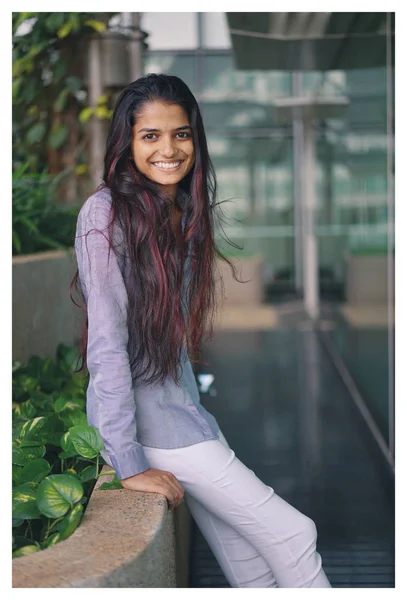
<point x="129" y="414"/>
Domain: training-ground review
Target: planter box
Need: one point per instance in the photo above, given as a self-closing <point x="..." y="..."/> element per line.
<point x="243" y="294"/>
<point x="43" y="313"/>
<point x="125" y="539"/>
<point x="366" y="278"/>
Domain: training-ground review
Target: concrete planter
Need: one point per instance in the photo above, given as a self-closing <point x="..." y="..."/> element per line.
<point x="366" y="278"/>
<point x="125" y="539"/>
<point x="43" y="313"/>
<point x="243" y="294"/>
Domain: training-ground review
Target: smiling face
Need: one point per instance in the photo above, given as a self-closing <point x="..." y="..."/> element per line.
<point x="162" y="144"/>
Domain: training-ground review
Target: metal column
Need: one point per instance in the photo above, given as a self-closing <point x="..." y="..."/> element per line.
<point x="297" y="168"/>
<point x="309" y="238"/>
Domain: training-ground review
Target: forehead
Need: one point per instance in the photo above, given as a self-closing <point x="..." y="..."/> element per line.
<point x="156" y="112"/>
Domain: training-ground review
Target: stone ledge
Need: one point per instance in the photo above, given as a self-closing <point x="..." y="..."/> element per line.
<point x="125" y="539"/>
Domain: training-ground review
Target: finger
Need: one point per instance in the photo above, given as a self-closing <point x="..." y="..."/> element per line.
<point x="174" y="485"/>
<point x="178" y="485"/>
<point x="170" y="493"/>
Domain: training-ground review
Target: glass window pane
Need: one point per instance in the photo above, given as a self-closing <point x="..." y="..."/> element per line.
<point x="173" y="64"/>
<point x="170" y="31"/>
<point x="237" y="99"/>
<point x="254" y="175"/>
<point x="215" y="30"/>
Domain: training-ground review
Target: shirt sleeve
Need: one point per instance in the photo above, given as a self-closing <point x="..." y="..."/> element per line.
<point x="107" y="356"/>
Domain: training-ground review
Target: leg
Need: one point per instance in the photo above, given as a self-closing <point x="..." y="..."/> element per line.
<point x="286" y="539"/>
<point x="241" y="564"/>
<point x="236" y="556"/>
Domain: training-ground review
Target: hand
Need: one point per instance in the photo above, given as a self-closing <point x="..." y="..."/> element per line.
<point x="156" y="481"/>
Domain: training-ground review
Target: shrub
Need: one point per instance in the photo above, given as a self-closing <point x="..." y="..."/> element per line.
<point x="55" y="453"/>
<point x="39" y="223"/>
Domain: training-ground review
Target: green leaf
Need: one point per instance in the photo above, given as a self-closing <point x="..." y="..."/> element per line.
<point x="22" y="455"/>
<point x="102" y="112"/>
<point x="16" y="433"/>
<point x="68" y="525"/>
<point x="63" y="403"/>
<point x="68" y="448"/>
<point x="71" y="472"/>
<point x="115" y="484"/>
<point x="24" y="502"/>
<point x="81" y="169"/>
<point x="98" y="26"/>
<point x="31" y="427"/>
<point x="88" y="473"/>
<point x="16" y="88"/>
<point x="56" y="494"/>
<point x="103" y="98"/>
<point x="66" y="443"/>
<point x="73" y="418"/>
<point x="37" y="49"/>
<point x="21" y="540"/>
<point x="58" y="135"/>
<point x="17" y="522"/>
<point x="16" y="242"/>
<point x="60" y="102"/>
<point x="25" y="410"/>
<point x="52" y="540"/>
<point x="67" y="454"/>
<point x="29" y="224"/>
<point x="35" y="471"/>
<point x="67" y="357"/>
<point x="55" y="21"/>
<point x="30" y="445"/>
<point x="15" y="474"/>
<point x="64" y="30"/>
<point x="53" y="430"/>
<point x="87" y="440"/>
<point x="36" y="133"/>
<point x="85" y="114"/>
<point x="30" y="384"/>
<point x="25" y="551"/>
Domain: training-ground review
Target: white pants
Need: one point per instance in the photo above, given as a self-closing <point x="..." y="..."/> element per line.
<point x="258" y="539"/>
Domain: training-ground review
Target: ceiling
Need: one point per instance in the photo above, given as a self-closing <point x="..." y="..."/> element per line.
<point x="310" y="41"/>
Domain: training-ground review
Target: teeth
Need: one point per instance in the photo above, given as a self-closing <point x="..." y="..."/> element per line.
<point x="167" y="165"/>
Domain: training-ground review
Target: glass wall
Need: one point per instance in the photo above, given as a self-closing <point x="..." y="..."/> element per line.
<point x="354" y="226"/>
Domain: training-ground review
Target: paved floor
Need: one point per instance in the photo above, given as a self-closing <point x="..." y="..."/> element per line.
<point x="287" y="416"/>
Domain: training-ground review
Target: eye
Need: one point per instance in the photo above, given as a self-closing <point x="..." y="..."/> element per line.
<point x="184" y="134"/>
<point x="149" y="136"/>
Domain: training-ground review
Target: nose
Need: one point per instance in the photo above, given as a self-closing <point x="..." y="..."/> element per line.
<point x="168" y="147"/>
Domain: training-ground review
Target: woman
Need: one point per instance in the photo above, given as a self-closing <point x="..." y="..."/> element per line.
<point x="145" y="250"/>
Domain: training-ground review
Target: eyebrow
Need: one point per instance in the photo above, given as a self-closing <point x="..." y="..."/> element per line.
<point x="148" y="130"/>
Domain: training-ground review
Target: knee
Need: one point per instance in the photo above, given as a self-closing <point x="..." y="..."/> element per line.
<point x="308" y="530"/>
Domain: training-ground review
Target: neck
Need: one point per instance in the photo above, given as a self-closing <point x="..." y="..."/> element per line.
<point x="171" y="191"/>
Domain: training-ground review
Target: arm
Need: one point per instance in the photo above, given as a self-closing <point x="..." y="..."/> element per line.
<point x="107" y="356"/>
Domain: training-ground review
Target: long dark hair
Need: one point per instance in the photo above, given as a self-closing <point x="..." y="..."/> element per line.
<point x="156" y="321"/>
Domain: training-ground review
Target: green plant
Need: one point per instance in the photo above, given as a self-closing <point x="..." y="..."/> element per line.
<point x="50" y="97"/>
<point x="38" y="222"/>
<point x="55" y="453"/>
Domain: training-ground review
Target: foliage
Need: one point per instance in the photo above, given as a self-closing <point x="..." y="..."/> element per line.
<point x="55" y="453"/>
<point x="49" y="91"/>
<point x="39" y="223"/>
